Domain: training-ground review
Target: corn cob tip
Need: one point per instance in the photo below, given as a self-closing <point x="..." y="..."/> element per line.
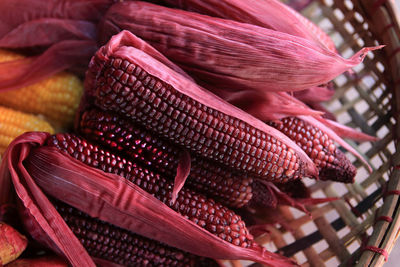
<point x="339" y="170"/>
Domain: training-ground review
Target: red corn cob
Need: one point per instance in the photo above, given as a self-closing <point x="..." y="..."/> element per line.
<point x="206" y="213"/>
<point x="35" y="169"/>
<point x="331" y="162"/>
<point x="106" y="241"/>
<point x="128" y="89"/>
<point x="212" y="130"/>
<point x="159" y="155"/>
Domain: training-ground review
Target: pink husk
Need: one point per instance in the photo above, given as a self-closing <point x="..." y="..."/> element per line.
<point x="268" y="106"/>
<point x="69" y="26"/>
<point x="44" y="223"/>
<point x="277" y="105"/>
<point x="347" y="132"/>
<point x="60" y="56"/>
<point x="211" y="49"/>
<point x="327" y="114"/>
<point x="298" y="203"/>
<point x="48" y="31"/>
<point x="259" y="229"/>
<point x="111" y="198"/>
<point x="315" y="32"/>
<point x="314" y="94"/>
<point x="315" y="122"/>
<point x="134" y="41"/>
<point x="264" y="13"/>
<point x="182" y="174"/>
<point x="15" y="13"/>
<point x="180" y="83"/>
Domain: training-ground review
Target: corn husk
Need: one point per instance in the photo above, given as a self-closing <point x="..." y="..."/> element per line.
<point x="36" y="170"/>
<point x="226" y="54"/>
<point x="271" y="14"/>
<point x="64" y="32"/>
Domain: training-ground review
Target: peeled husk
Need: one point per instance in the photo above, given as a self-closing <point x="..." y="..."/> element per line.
<point x="36" y="171"/>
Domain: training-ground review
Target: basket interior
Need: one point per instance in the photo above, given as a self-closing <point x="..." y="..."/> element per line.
<point x="340" y="232"/>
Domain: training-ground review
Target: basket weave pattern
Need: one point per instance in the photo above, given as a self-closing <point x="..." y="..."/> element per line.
<point x="361" y="227"/>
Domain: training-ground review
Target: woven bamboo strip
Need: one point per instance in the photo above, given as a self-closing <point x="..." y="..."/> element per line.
<point x="342" y="208"/>
<point x="315" y="214"/>
<point x="310" y="253"/>
<point x="330" y="235"/>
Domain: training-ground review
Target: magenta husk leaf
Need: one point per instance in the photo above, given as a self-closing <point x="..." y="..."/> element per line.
<point x="66" y="28"/>
<point x="268" y="14"/>
<point x="182" y="174"/>
<point x="347" y="132"/>
<point x="11" y="10"/>
<point x="48" y="31"/>
<point x="277" y="105"/>
<point x="63" y="55"/>
<point x="227" y="54"/>
<point x="110" y="198"/>
<point x="314" y="94"/>
<point x="40" y="217"/>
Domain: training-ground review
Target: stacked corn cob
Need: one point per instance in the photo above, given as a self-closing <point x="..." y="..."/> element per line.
<point x="145" y="123"/>
<point x="44" y="106"/>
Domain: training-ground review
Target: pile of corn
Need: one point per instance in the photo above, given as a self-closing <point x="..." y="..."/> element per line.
<point x="48" y="105"/>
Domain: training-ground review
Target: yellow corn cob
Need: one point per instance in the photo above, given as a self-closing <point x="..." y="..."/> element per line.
<point x="13" y="123"/>
<point x="57" y="98"/>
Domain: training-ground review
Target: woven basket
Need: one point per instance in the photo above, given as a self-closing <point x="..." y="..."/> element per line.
<point x="359" y="229"/>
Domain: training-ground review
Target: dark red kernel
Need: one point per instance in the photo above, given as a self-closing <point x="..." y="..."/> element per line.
<point x="188" y="203"/>
<point x="189" y="118"/>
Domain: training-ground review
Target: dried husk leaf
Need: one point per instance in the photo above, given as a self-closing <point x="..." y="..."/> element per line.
<point x="347" y="132"/>
<point x="48" y="31"/>
<point x="39" y="216"/>
<point x="11" y="10"/>
<point x="60" y="56"/>
<point x="299" y="203"/>
<point x="228" y="54"/>
<point x="182" y="174"/>
<point x="12" y="243"/>
<point x="67" y="29"/>
<point x="268" y="106"/>
<point x="114" y="48"/>
<point x="108" y="197"/>
<point x="271" y="14"/>
<point x="46" y="261"/>
<point x="314" y="94"/>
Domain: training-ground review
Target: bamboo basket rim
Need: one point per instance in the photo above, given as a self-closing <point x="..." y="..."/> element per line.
<point x="390" y="207"/>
